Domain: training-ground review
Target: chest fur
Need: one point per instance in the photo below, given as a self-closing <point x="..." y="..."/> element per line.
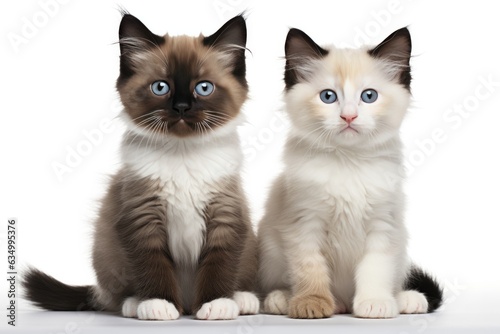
<point x="349" y="196"/>
<point x="188" y="180"/>
<point x="350" y="189"/>
<point x="186" y="202"/>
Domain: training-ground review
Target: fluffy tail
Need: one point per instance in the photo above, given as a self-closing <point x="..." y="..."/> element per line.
<point x="422" y="282"/>
<point x="48" y="293"/>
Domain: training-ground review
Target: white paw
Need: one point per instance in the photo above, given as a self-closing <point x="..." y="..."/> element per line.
<point x="276" y="302"/>
<point x="219" y="309"/>
<point x="412" y="302"/>
<point x="376" y="308"/>
<point x="129" y="307"/>
<point x="248" y="303"/>
<point x="157" y="309"/>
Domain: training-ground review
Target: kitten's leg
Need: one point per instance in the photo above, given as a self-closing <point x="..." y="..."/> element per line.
<point x="309" y="273"/>
<point x="273" y="269"/>
<point x="156" y="286"/>
<point x="277" y="302"/>
<point x="247" y="301"/>
<point x="143" y="237"/>
<point x="217" y="276"/>
<point x="375" y="277"/>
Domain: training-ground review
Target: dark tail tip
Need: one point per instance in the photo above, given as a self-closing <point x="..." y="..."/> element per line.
<point x="46" y="292"/>
<point x="422" y="282"/>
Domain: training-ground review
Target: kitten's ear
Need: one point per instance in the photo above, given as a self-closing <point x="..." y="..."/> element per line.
<point x="232" y="33"/>
<point x="396" y="49"/>
<point x="231" y="38"/>
<point x="300" y="49"/>
<point x="135" y="37"/>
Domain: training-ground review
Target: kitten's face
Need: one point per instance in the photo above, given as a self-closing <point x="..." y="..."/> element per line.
<point x="182" y="86"/>
<point x="347" y="97"/>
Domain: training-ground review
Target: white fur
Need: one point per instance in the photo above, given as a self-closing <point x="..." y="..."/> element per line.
<point x="247" y="302"/>
<point x="334" y="219"/>
<point x="376" y="308"/>
<point x="157" y="309"/>
<point x="129" y="307"/>
<point x="276" y="302"/>
<point x="219" y="309"/>
<point x="411" y="302"/>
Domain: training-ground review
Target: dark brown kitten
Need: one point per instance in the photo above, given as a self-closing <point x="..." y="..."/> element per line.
<point x="173" y="234"/>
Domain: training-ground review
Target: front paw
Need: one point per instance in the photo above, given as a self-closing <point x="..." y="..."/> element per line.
<point x="248" y="303"/>
<point x="129" y="307"/>
<point x="375" y="308"/>
<point x="276" y="302"/>
<point x="157" y="309"/>
<point x="311" y="307"/>
<point x="412" y="302"/>
<point x="218" y="309"/>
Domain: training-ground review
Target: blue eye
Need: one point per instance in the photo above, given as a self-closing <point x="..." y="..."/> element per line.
<point x="160" y="88"/>
<point x="204" y="88"/>
<point x="369" y="96"/>
<point x="328" y="96"/>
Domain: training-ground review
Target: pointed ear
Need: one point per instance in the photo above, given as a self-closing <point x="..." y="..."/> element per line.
<point x="231" y="38"/>
<point x="233" y="32"/>
<point x="134" y="37"/>
<point x="396" y="49"/>
<point x="300" y="49"/>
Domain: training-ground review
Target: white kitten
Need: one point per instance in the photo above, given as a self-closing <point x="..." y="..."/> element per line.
<point x="333" y="238"/>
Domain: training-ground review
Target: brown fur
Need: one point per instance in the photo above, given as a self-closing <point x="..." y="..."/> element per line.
<point x="131" y="252"/>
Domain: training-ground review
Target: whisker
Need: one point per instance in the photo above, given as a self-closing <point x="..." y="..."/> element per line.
<point x="224" y="118"/>
<point x="153" y="132"/>
<point x="318" y="126"/>
<point x="140" y="124"/>
<point x="150" y="113"/>
<point x="148" y="130"/>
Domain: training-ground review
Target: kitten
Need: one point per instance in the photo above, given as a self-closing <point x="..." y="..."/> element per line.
<point x="332" y="239"/>
<point x="173" y="234"/>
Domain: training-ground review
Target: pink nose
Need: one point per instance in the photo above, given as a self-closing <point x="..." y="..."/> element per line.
<point x="349" y="118"/>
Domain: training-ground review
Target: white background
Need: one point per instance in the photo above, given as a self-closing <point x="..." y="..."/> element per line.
<point x="58" y="82"/>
